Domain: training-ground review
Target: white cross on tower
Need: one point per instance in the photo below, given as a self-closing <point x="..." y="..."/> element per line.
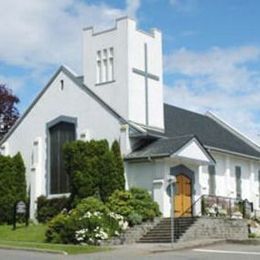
<point x="146" y="76"/>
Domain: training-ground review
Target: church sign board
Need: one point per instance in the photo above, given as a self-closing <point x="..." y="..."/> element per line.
<point x="21" y="209"/>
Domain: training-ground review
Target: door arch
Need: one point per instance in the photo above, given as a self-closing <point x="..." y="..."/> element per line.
<point x="183" y="196"/>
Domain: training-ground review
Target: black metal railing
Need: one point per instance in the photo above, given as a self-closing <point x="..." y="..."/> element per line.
<point x="219" y="206"/>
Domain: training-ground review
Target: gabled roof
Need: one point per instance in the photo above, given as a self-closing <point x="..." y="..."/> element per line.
<point x="78" y="80"/>
<point x="179" y="122"/>
<point x="166" y="147"/>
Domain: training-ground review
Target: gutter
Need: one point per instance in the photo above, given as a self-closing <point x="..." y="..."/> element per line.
<point x="210" y="148"/>
<point x="148" y="157"/>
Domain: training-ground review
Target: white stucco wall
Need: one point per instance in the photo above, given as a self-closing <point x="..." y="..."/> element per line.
<point x="72" y="101"/>
<point x="225" y="177"/>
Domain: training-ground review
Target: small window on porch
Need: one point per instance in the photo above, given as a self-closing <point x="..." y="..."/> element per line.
<point x="238" y="182"/>
<point x="212" y="180"/>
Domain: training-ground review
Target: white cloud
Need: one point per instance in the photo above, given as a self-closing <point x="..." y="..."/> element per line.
<point x="37" y="36"/>
<point x="37" y="33"/>
<point x="184" y="5"/>
<point x="221" y="80"/>
<point x="132" y="7"/>
<point x="225" y="68"/>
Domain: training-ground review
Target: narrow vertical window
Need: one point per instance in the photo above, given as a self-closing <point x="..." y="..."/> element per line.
<point x="212" y="180"/>
<point x="238" y="182"/>
<point x="111" y="65"/>
<point x="105" y="67"/>
<point x="35" y="153"/>
<point x="99" y="67"/>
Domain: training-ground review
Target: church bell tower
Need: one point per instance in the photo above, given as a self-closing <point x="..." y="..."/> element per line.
<point x="123" y="66"/>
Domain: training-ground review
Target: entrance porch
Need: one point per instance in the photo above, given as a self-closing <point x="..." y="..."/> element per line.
<point x="151" y="168"/>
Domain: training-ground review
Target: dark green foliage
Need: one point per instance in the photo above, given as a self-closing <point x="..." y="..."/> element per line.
<point x="135" y="202"/>
<point x="107" y="175"/>
<point x="20" y="187"/>
<point x="48" y="208"/>
<point x="93" y="169"/>
<point x="12" y="185"/>
<point x="143" y="204"/>
<point x="134" y="219"/>
<point x="119" y="166"/>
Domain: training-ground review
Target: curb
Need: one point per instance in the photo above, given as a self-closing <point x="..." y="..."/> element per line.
<point x="188" y="245"/>
<point x="29" y="249"/>
<point x="249" y="241"/>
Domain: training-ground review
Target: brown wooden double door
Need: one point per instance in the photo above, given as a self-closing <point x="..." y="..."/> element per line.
<point x="182" y="199"/>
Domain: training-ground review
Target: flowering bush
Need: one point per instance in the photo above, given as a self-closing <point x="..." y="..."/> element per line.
<point x="89" y="223"/>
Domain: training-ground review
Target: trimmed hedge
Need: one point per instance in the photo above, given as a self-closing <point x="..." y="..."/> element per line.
<point x="49" y="208"/>
<point x="12" y="185"/>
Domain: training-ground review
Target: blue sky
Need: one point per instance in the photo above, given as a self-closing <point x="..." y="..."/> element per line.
<point x="211" y="49"/>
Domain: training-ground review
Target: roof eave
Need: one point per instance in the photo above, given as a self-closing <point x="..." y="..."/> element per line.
<point x="231" y="152"/>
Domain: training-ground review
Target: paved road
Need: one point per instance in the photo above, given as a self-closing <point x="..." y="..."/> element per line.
<point x="216" y="252"/>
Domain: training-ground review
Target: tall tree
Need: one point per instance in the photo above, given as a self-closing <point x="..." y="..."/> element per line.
<point x="8" y="110"/>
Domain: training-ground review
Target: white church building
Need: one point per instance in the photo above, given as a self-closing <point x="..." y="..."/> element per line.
<point x="120" y="97"/>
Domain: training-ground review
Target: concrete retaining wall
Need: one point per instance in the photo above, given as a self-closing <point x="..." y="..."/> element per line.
<point x="216" y="228"/>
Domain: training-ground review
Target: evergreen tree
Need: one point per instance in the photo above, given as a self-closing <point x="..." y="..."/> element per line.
<point x="107" y="175"/>
<point x="12" y="185"/>
<point x="120" y="175"/>
<point x="94" y="169"/>
<point x="19" y="178"/>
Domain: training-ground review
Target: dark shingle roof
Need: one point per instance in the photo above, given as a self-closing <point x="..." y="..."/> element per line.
<point x="161" y="147"/>
<point x="179" y="122"/>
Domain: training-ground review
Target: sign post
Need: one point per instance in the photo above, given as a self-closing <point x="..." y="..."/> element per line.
<point x="20" y="209"/>
<point x="172" y="181"/>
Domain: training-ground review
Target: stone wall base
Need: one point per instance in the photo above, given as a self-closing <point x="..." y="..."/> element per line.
<point x="216" y="228"/>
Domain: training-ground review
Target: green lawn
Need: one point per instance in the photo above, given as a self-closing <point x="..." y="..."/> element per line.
<point x="33" y="237"/>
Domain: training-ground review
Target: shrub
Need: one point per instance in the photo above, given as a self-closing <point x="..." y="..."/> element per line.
<point x="91" y="204"/>
<point x="143" y="204"/>
<point x="90" y="222"/>
<point x="136" y="201"/>
<point x="94" y="169"/>
<point x="134" y="219"/>
<point x="48" y="208"/>
<point x="12" y="185"/>
<point x="121" y="203"/>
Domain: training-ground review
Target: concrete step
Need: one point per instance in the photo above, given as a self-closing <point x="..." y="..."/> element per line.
<point x="161" y="233"/>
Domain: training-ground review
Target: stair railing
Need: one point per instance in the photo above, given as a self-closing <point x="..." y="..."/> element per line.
<point x="193" y="208"/>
